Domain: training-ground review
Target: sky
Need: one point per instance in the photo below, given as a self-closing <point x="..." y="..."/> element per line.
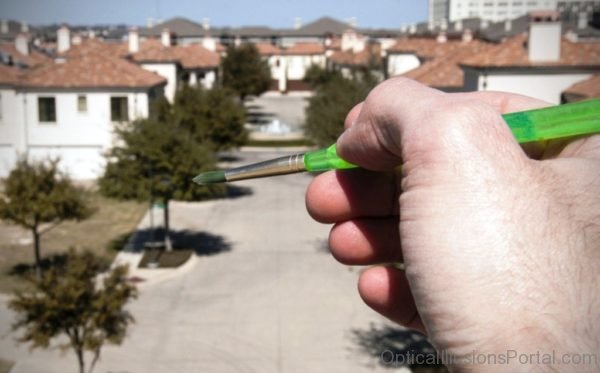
<point x="273" y="13"/>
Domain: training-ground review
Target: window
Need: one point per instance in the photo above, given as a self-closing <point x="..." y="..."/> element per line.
<point x="82" y="104"/>
<point x="46" y="109"/>
<point x="118" y="109"/>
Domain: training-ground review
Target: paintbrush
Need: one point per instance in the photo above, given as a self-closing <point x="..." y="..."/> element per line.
<point x="580" y="118"/>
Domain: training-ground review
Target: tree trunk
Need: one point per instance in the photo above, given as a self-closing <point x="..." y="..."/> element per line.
<point x="36" y="249"/>
<point x="79" y="352"/>
<point x="168" y="244"/>
<point x="95" y="360"/>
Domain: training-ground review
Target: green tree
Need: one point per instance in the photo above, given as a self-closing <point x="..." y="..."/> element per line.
<point x="213" y="116"/>
<point x="36" y="193"/>
<point x="330" y="104"/>
<point x="69" y="301"/>
<point x="156" y="162"/>
<point x="316" y="76"/>
<point x="245" y="72"/>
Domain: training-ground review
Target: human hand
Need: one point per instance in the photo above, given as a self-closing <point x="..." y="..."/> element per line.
<point x="500" y="251"/>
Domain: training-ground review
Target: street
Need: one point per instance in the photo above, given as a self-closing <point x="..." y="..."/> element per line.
<point x="268" y="298"/>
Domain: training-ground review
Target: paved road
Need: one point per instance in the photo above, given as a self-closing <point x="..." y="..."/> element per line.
<point x="272" y="301"/>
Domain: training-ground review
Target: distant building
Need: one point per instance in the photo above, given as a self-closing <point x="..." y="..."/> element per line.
<point x="540" y="64"/>
<point x="446" y="11"/>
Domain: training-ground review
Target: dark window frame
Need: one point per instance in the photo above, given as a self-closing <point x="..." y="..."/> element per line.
<point x="46" y="109"/>
<point x="79" y="104"/>
<point x="119" y="108"/>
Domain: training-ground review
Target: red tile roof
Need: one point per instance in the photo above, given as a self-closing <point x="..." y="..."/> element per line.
<point x="34" y="58"/>
<point x="443" y="71"/>
<point x="267" y="49"/>
<point x="91" y="70"/>
<point x="423" y="47"/>
<point x="513" y="53"/>
<point x="193" y="56"/>
<point x="589" y="88"/>
<point x="371" y="55"/>
<point x="304" y="49"/>
<point x="115" y="49"/>
<point x="9" y="75"/>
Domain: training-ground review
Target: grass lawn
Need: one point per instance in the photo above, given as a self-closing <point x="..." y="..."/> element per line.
<point x="101" y="233"/>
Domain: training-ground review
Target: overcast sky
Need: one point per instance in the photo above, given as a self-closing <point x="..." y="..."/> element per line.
<point x="274" y="13"/>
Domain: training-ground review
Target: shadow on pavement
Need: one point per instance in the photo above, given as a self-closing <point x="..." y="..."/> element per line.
<point x="234" y="191"/>
<point x="394" y="347"/>
<point x="202" y="243"/>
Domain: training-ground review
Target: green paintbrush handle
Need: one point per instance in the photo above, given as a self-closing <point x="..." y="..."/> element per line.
<point x="579" y="118"/>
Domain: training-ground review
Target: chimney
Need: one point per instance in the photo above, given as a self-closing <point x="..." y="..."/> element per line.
<point x="297" y="23"/>
<point x="134" y="40"/>
<point x="76" y="39"/>
<point x="507" y="25"/>
<point x="209" y="43"/>
<point x="206" y="23"/>
<point x="24" y="27"/>
<point x="4" y="26"/>
<point x="165" y="37"/>
<point x="467" y="35"/>
<point x="582" y="20"/>
<point x="353" y="22"/>
<point x="441" y="37"/>
<point x="484" y="24"/>
<point x="443" y="25"/>
<point x="22" y="44"/>
<point x="544" y="36"/>
<point x="412" y="29"/>
<point x="63" y="37"/>
<point x="458" y="25"/>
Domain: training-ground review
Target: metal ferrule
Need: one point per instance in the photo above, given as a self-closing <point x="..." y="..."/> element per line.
<point x="278" y="166"/>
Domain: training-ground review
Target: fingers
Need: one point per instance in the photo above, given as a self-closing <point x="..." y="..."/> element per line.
<point x="506" y="102"/>
<point x="352" y="115"/>
<point x="343" y="195"/>
<point x="587" y="147"/>
<point x="386" y="290"/>
<point x="402" y="120"/>
<point x="374" y="141"/>
<point x="366" y="241"/>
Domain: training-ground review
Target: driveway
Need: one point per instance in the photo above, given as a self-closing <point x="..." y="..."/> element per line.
<point x="269" y="298"/>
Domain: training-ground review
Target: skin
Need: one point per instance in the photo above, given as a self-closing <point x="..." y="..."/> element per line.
<point x="501" y="250"/>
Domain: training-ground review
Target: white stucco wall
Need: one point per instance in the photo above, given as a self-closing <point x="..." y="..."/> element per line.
<point x="273" y="66"/>
<point x="79" y="139"/>
<point x="11" y="129"/>
<point x="547" y="87"/>
<point x="209" y="79"/>
<point x="298" y="64"/>
<point x="400" y="63"/>
<point x="167" y="71"/>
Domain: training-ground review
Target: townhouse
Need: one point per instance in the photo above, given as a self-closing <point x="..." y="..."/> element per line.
<point x="541" y="64"/>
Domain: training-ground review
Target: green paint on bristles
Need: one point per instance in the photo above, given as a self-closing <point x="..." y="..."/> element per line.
<point x="211" y="177"/>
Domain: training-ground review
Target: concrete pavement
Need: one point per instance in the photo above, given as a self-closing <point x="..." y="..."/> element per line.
<point x="269" y="299"/>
